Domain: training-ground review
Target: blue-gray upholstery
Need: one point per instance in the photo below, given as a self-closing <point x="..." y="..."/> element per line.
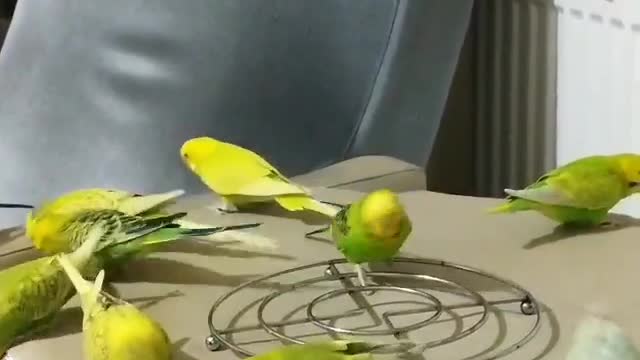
<point x="103" y="92"/>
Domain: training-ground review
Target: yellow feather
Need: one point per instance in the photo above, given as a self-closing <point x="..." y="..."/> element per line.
<point x="241" y="176"/>
<point x="303" y="202"/>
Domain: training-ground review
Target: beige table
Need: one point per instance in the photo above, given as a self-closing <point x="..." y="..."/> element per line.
<point x="563" y="274"/>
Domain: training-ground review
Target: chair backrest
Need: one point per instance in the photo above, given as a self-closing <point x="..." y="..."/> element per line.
<point x="103" y="92"/>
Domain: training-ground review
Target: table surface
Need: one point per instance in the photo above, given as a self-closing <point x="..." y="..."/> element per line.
<point x="564" y="271"/>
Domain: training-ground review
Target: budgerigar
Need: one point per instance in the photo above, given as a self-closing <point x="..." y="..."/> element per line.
<point x="581" y="192"/>
<point x="329" y="350"/>
<point x="32" y="292"/>
<point x="113" y="328"/>
<point x="45" y="225"/>
<point x="242" y="177"/>
<point x="372" y="229"/>
<point x="64" y="234"/>
<point x="598" y="338"/>
<point x="59" y="232"/>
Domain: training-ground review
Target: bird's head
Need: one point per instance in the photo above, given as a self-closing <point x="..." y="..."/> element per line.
<point x="383" y="213"/>
<point x="195" y="151"/>
<point x="630" y="165"/>
<point x="41" y="229"/>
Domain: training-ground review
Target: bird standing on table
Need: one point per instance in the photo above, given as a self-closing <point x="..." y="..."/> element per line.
<point x="370" y="230"/>
<point x="241" y="177"/>
<point x="114" y="329"/>
<point x="580" y="193"/>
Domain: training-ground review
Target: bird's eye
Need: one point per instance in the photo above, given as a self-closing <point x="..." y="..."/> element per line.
<point x="633" y="184"/>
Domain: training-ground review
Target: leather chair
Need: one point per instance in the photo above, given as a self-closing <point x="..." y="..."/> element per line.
<point x="103" y="93"/>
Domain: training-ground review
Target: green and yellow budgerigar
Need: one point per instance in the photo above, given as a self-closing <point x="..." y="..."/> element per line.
<point x="32" y="292"/>
<point x="112" y="328"/>
<point x="64" y="233"/>
<point x="581" y="192"/>
<point x="47" y="227"/>
<point x="372" y="229"/>
<point x="242" y="177"/>
<point x="599" y="338"/>
<point x="329" y="350"/>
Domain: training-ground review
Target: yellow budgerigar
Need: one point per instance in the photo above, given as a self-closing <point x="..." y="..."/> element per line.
<point x="581" y="192"/>
<point x="242" y="177"/>
<point x="112" y="328"/>
<point x="45" y="225"/>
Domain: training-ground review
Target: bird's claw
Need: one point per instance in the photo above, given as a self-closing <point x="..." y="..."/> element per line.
<point x="225" y="211"/>
<point x="609" y="225"/>
<point x="310" y="234"/>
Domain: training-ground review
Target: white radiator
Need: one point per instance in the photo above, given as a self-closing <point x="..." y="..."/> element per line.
<point x="598" y="109"/>
<point x="515" y="88"/>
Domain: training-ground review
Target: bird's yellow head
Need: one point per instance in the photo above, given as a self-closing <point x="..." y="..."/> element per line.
<point x="630" y="165"/>
<point x="197" y="150"/>
<point x="40" y="230"/>
<point x="383" y="213"/>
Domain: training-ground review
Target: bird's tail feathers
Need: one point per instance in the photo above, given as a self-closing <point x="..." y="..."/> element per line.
<point x="302" y="202"/>
<point x="122" y="252"/>
<point x="88" y="291"/>
<point x="511" y="205"/>
<point x="503" y="208"/>
<point x="225" y="235"/>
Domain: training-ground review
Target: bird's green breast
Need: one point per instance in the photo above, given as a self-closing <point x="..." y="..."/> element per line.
<point x="357" y="244"/>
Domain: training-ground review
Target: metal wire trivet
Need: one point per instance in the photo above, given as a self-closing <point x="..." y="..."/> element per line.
<point x="221" y="338"/>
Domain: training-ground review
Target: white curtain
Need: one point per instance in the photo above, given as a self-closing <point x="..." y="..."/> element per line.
<point x="598" y="98"/>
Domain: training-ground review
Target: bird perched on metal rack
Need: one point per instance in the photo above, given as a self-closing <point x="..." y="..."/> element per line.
<point x="46" y="225"/>
<point x="242" y="178"/>
<point x="599" y="338"/>
<point x="580" y="193"/>
<point x="113" y="328"/>
<point x="371" y="229"/>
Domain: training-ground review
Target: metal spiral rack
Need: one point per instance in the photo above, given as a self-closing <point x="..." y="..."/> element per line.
<point x="431" y="306"/>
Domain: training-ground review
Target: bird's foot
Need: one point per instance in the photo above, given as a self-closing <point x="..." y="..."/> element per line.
<point x="608" y="225"/>
<point x="224" y="207"/>
<point x="363" y="280"/>
<point x="310" y="234"/>
<point x="225" y="211"/>
<point x="341" y="206"/>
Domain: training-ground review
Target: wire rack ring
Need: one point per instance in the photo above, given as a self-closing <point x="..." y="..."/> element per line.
<point x="432" y="310"/>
